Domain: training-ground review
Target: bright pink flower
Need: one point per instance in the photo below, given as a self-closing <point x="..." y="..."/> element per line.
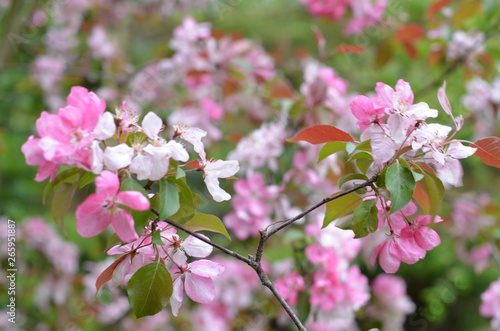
<point x="397" y="249"/>
<point x="289" y="286"/>
<point x="490" y="304"/>
<point x="198" y="282"/>
<point x="424" y="236"/>
<point x="101" y="208"/>
<point x="34" y="156"/>
<point x="367" y="111"/>
<point x="327" y="290"/>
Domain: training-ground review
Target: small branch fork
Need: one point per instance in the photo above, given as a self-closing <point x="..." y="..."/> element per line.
<point x="255" y="262"/>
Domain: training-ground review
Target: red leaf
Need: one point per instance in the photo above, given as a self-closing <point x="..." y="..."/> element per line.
<point x="410" y="32"/>
<point x="193" y="164"/>
<point x="437" y="6"/>
<point x="280" y="90"/>
<point x="488" y="149"/>
<point x="319" y="134"/>
<point x="345" y="48"/>
<point x="108" y="273"/>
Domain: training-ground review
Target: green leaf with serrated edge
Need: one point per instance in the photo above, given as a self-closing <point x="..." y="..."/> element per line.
<point x="62" y="177"/>
<point x="188" y="200"/>
<point x="350" y="177"/>
<point x="169" y="198"/>
<point x="360" y="155"/>
<point x="61" y="202"/>
<point x="205" y="222"/>
<point x="157" y="238"/>
<point x="364" y="146"/>
<point x="364" y="164"/>
<point x="344" y="223"/>
<point x="350" y="147"/>
<point x="331" y="148"/>
<point x="365" y="218"/>
<point x="180" y="173"/>
<point x="149" y="289"/>
<point x="112" y="242"/>
<point x="130" y="184"/>
<point x="340" y="207"/>
<point x="401" y="184"/>
<point x="86" y="179"/>
<point x="303" y="306"/>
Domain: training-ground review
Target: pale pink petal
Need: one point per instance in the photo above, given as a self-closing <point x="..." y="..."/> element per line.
<point x="388" y="260"/>
<point x="106" y="127"/>
<point x="199" y="289"/>
<point x="133" y="199"/>
<point x="458" y="151"/>
<point x="206" y="268"/>
<point x="221" y="169"/>
<point x="177" y="296"/>
<point x="107" y="184"/>
<point x="177" y="151"/>
<point x="117" y="157"/>
<point x="123" y="224"/>
<point x="141" y="165"/>
<point x="384" y="94"/>
<point x="179" y="257"/>
<point x="196" y="248"/>
<point x="151" y="125"/>
<point x="91" y="217"/>
<point x="96" y="158"/>
<point x="426" y="238"/>
<point x="443" y="99"/>
<point x="213" y="187"/>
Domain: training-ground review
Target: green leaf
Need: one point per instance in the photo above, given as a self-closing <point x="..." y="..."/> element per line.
<point x="63" y="177"/>
<point x="350" y="177"/>
<point x="340" y="207"/>
<point x="86" y="179"/>
<point x="188" y="200"/>
<point x="130" y="184"/>
<point x="61" y="202"/>
<point x="365" y="145"/>
<point x="149" y="289"/>
<point x="169" y="198"/>
<point x="303" y="306"/>
<point x="364" y="164"/>
<point x="360" y="155"/>
<point x="180" y="173"/>
<point x="434" y="188"/>
<point x="400" y="183"/>
<point x="350" y="147"/>
<point x="417" y="176"/>
<point x="157" y="238"/>
<point x="381" y="178"/>
<point x="344" y="223"/>
<point x="331" y="148"/>
<point x="365" y="218"/>
<point x="205" y="222"/>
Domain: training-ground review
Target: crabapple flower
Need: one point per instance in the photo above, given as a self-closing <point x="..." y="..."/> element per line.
<point x="396" y="249"/>
<point x="101" y="209"/>
<point x="192" y="136"/>
<point x="198" y="282"/>
<point x="425" y="237"/>
<point x="289" y="286"/>
<point x="367" y="111"/>
<point x="213" y="170"/>
<point x="490" y="304"/>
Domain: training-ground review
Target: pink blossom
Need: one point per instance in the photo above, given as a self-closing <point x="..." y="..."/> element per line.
<point x="289" y="286"/>
<point x="367" y="111"/>
<point x="198" y="282"/>
<point x="490" y="304"/>
<point x="425" y="237"/>
<point x="101" y="208"/>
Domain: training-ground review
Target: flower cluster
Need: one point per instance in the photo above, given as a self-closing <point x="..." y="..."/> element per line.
<point x="195" y="277"/>
<point x="490" y="304"/>
<point x="365" y="13"/>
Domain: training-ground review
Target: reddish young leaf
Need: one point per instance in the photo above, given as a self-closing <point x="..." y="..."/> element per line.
<point x="108" y="273"/>
<point x="437" y="6"/>
<point x="411" y="50"/>
<point x="280" y="90"/>
<point x="319" y="134"/>
<point x="488" y="149"/>
<point x="193" y="164"/>
<point x="410" y="32"/>
<point x="345" y="48"/>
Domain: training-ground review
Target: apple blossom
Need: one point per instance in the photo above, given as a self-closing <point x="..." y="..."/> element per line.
<point x="212" y="171"/>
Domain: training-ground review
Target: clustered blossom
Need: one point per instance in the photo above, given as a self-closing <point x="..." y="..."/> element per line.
<point x="390" y="304"/>
<point x="195" y="277"/>
<point x="393" y="122"/>
<point x="252" y="205"/>
<point x="490" y="304"/>
<point x="408" y="241"/>
<point x="365" y="13"/>
<point x="466" y="46"/>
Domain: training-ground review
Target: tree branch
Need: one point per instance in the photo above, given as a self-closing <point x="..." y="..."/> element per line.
<point x="255" y="262"/>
